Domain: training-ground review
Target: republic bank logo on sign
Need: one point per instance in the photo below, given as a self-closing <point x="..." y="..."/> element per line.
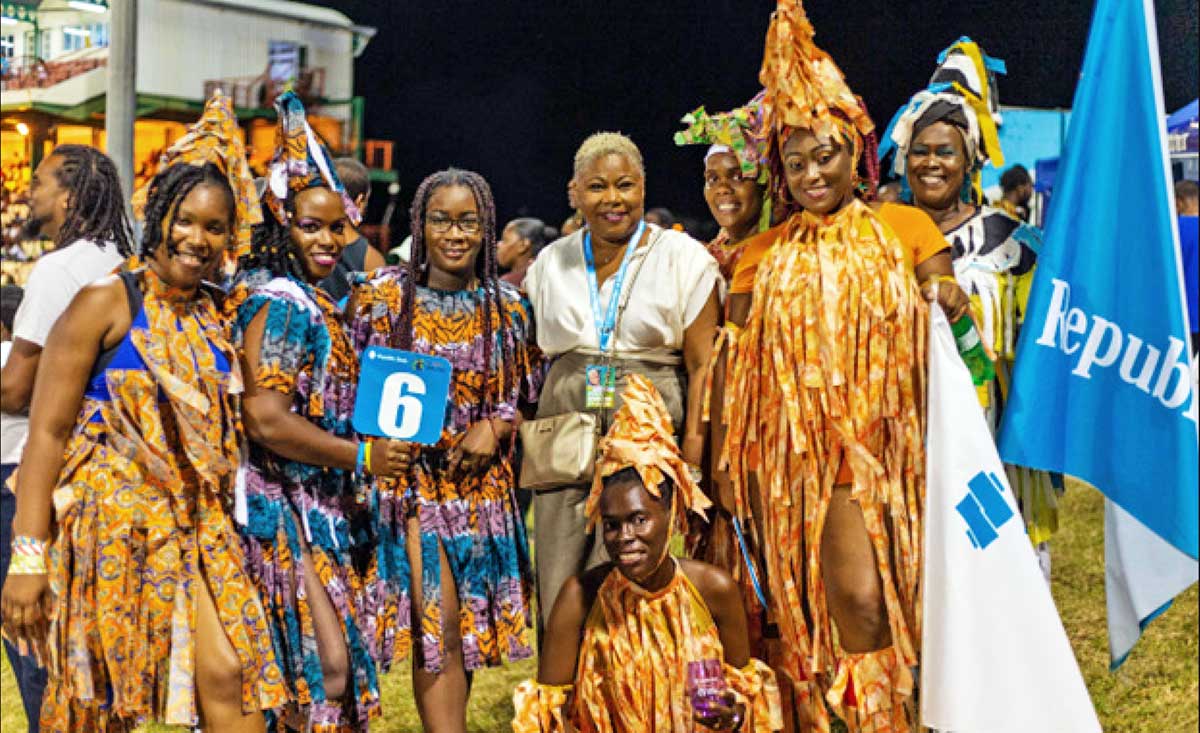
<point x="402" y="395"/>
<point x="984" y="509"/>
<point x="1098" y="343"/>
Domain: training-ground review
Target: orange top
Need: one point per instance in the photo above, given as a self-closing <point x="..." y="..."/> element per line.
<point x="914" y="228"/>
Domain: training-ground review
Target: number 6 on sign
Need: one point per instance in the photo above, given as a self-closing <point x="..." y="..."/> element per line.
<point x="402" y="395"/>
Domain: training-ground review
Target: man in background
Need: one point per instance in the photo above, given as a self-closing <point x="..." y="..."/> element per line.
<point x="1017" y="187"/>
<point x="359" y="255"/>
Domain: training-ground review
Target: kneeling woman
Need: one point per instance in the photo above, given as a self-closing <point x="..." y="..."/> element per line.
<point x="452" y="545"/>
<point x="627" y="639"/>
<point x="134" y="441"/>
<point x="300" y="483"/>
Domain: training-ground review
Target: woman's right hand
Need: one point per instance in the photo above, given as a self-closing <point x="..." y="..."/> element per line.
<point x="391" y="458"/>
<point x="26" y="604"/>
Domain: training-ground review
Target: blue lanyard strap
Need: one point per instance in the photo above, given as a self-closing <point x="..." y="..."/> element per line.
<point x="606" y="322"/>
<point x="758" y="591"/>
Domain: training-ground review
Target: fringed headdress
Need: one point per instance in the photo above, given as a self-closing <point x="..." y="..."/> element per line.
<point x="805" y="90"/>
<point x="301" y="161"/>
<point x="215" y="139"/>
<point x="961" y="92"/>
<point x="642" y="437"/>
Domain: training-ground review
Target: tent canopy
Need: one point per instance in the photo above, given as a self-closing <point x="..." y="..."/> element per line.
<point x="1184" y="116"/>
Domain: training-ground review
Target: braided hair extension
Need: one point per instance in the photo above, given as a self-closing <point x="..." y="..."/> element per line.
<point x="486" y="270"/>
<point x="271" y="247"/>
<point x="96" y="206"/>
<point x="167" y="190"/>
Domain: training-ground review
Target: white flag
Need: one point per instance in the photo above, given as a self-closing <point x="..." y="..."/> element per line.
<point x="1142" y="574"/>
<point x="994" y="655"/>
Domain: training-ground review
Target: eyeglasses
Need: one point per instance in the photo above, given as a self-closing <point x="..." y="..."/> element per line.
<point x="441" y="224"/>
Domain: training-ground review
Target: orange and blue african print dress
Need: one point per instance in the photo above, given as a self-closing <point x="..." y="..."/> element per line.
<point x="144" y="509"/>
<point x="474" y="518"/>
<point x="298" y="508"/>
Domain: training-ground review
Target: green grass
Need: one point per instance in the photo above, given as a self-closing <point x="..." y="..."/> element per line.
<point x="1154" y="692"/>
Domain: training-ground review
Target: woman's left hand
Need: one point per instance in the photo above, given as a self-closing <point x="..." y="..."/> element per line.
<point x="474" y="454"/>
<point x="948" y="294"/>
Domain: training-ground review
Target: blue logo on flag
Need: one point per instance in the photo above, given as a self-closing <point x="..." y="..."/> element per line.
<point x="402" y="395"/>
<point x="984" y="509"/>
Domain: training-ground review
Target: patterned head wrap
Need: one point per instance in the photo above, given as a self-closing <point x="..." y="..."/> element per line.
<point x="301" y="161"/>
<point x="805" y="90"/>
<point x="642" y="437"/>
<point x="962" y="92"/>
<point x="739" y="131"/>
<point x="215" y="139"/>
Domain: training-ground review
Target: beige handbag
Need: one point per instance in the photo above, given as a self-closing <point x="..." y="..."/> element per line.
<point x="561" y="450"/>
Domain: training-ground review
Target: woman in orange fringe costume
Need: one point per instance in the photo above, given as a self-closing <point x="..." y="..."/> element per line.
<point x="621" y="637"/>
<point x="824" y="399"/>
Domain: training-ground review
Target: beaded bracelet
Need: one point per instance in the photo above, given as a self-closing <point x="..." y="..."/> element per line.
<point x="28" y="556"/>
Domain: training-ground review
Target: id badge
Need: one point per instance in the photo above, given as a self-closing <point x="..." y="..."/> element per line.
<point x="600" y="390"/>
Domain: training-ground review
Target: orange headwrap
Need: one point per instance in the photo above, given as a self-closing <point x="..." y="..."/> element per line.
<point x="642" y="437"/>
<point x="215" y="139"/>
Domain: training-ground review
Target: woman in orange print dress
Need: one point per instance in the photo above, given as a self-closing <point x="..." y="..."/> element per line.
<point x="454" y="577"/>
<point x="133" y="586"/>
<point x="629" y="641"/>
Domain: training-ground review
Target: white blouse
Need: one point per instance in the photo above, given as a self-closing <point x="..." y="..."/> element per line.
<point x="677" y="275"/>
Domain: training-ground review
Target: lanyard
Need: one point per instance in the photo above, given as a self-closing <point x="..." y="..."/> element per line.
<point x="606" y="322"/>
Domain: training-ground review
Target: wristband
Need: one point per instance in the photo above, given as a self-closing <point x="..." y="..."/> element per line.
<point x="360" y="463"/>
<point x="28" y="556"/>
<point x="367" y="456"/>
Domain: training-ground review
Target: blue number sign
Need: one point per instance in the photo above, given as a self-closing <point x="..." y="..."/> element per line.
<point x="402" y="395"/>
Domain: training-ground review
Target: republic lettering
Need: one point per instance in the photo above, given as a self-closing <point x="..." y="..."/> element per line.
<point x="1101" y="343"/>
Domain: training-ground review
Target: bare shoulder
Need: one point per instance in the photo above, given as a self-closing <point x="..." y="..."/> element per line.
<point x="105" y="294"/>
<point x="716" y="586"/>
<point x="576" y="597"/>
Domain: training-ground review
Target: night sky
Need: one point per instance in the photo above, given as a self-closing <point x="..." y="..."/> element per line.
<point x="510" y="89"/>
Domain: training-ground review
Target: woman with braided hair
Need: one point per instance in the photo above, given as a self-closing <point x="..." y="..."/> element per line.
<point x="453" y="561"/>
<point x="129" y="579"/>
<point x="304" y="496"/>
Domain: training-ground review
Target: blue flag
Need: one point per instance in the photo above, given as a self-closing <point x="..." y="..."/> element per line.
<point x="1102" y="387"/>
<point x="1104" y="383"/>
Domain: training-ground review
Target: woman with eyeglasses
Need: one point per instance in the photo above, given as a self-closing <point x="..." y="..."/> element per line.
<point x="623" y="296"/>
<point x="451" y="553"/>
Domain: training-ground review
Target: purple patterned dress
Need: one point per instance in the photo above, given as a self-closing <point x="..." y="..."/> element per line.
<point x="475" y="519"/>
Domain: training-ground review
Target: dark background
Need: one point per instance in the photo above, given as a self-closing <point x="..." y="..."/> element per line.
<point x="510" y="88"/>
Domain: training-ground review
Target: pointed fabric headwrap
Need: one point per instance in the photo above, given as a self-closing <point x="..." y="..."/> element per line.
<point x="215" y="139"/>
<point x="642" y="437"/>
<point x="301" y="161"/>
<point x="962" y="92"/>
<point x="805" y="90"/>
